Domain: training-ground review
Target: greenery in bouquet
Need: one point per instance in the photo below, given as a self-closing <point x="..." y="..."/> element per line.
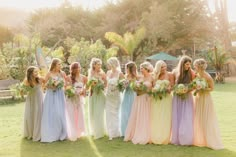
<point x="160" y="89"/>
<point x="122" y="84"/>
<point x="199" y="85"/>
<point x="20" y="89"/>
<point x="139" y="87"/>
<point x="95" y="85"/>
<point x="55" y="84"/>
<point x="181" y="90"/>
<point x="70" y="91"/>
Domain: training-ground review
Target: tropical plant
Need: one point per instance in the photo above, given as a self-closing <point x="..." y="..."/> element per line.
<point x="129" y="42"/>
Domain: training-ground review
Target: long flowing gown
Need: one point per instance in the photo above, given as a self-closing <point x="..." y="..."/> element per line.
<point x="53" y="125"/>
<point x="33" y="113"/>
<point x="75" y="114"/>
<point x="97" y="113"/>
<point x="138" y="129"/>
<point x="126" y="106"/>
<point x="113" y="100"/>
<point x="161" y="114"/>
<point x="182" y="120"/>
<point x="206" y="130"/>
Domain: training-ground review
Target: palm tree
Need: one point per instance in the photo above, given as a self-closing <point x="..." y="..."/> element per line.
<point x="218" y="58"/>
<point x="129" y="42"/>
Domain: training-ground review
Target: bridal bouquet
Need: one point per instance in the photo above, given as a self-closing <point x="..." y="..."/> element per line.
<point x="199" y="84"/>
<point x="95" y="84"/>
<point x="55" y="83"/>
<point x="122" y="84"/>
<point x="21" y="89"/>
<point x="139" y="87"/>
<point x="181" y="90"/>
<point x="160" y="89"/>
<point x="70" y="91"/>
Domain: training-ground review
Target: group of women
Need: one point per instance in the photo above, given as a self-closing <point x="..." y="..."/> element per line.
<point x="138" y="117"/>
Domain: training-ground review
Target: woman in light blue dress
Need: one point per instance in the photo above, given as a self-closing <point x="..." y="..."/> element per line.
<point x="96" y="100"/>
<point x="128" y="97"/>
<point x="33" y="105"/>
<point x="53" y="126"/>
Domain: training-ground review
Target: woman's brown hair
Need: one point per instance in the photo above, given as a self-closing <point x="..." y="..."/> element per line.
<point x="54" y="63"/>
<point x="132" y="68"/>
<point x="183" y="75"/>
<point x="73" y="70"/>
<point x="29" y="76"/>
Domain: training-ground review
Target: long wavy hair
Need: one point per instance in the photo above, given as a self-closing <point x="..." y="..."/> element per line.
<point x="73" y="71"/>
<point x="157" y="69"/>
<point x="181" y="71"/>
<point x="132" y="68"/>
<point x="114" y="63"/>
<point x="54" y="63"/>
<point x="29" y="76"/>
<point x="93" y="62"/>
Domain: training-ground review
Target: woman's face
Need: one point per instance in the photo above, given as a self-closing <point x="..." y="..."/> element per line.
<point x="97" y="66"/>
<point x="35" y="73"/>
<point x="143" y="70"/>
<point x="196" y="68"/>
<point x="58" y="66"/>
<point x="163" y="68"/>
<point x="187" y="65"/>
<point x="78" y="69"/>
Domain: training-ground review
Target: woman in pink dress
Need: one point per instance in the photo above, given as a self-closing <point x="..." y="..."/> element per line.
<point x="75" y="104"/>
<point x="206" y="130"/>
<point x="138" y="129"/>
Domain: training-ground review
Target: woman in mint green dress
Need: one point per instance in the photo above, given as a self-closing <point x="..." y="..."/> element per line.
<point x="96" y="84"/>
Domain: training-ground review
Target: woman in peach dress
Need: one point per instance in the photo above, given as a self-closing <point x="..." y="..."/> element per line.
<point x="138" y="129"/>
<point x="206" y="130"/>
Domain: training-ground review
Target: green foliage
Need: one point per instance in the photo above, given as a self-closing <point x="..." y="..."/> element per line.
<point x="83" y="51"/>
<point x="19" y="54"/>
<point x="129" y="42"/>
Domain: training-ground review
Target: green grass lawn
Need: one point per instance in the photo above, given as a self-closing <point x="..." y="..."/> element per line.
<point x="13" y="145"/>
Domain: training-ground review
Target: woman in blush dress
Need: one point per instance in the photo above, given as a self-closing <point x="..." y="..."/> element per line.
<point x="53" y="125"/>
<point x="128" y="96"/>
<point x="206" y="130"/>
<point x="113" y="98"/>
<point x="75" y="104"/>
<point x="33" y="104"/>
<point x="97" y="99"/>
<point x="161" y="106"/>
<point x="138" y="129"/>
<point x="182" y="107"/>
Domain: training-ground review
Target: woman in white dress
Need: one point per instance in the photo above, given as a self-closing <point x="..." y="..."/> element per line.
<point x="113" y="98"/>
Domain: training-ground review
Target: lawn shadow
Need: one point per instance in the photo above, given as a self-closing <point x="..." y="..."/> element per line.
<point x="115" y="148"/>
<point x="10" y="102"/>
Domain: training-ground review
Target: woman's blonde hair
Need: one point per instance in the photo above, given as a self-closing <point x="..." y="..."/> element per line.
<point x="114" y="63"/>
<point x="93" y="62"/>
<point x="147" y="65"/>
<point x="157" y="69"/>
<point x="200" y="63"/>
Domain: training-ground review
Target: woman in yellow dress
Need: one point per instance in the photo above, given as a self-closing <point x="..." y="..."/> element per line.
<point x="161" y="106"/>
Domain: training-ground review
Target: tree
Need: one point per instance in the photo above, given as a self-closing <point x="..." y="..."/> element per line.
<point x="5" y="34"/>
<point x="129" y="42"/>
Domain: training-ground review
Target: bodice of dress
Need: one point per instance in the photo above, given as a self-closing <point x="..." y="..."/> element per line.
<point x="112" y="85"/>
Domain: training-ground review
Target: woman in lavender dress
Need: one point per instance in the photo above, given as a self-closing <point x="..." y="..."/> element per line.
<point x="182" y="107"/>
<point x="53" y="126"/>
